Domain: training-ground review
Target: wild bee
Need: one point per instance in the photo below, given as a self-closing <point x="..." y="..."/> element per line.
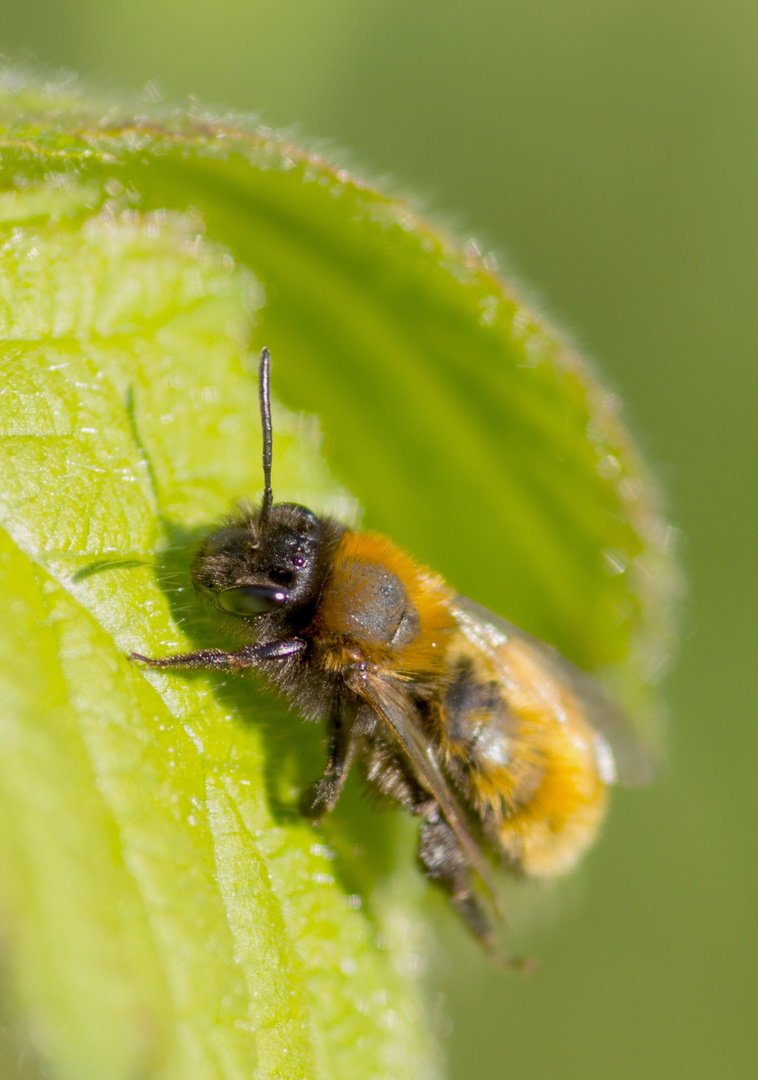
<point x="496" y="743"/>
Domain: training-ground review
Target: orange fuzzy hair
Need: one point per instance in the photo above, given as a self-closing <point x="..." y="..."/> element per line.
<point x="424" y="657"/>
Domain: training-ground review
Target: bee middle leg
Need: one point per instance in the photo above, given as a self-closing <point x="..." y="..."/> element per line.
<point x="321" y="798"/>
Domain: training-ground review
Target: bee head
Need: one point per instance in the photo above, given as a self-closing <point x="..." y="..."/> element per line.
<point x="263" y="562"/>
<point x="270" y="561"/>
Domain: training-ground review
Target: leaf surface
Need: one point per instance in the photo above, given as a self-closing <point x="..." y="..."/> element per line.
<point x="166" y="912"/>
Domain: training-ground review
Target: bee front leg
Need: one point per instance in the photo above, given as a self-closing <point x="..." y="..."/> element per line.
<point x="320" y="799"/>
<point x="216" y="659"/>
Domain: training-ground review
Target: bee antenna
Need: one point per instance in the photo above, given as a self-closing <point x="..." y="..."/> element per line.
<point x="264" y="396"/>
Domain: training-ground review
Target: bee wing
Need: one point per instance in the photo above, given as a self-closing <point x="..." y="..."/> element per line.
<point x="397" y="713"/>
<point x="633" y="759"/>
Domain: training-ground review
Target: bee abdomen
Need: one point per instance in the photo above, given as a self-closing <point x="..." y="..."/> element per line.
<point x="480" y="730"/>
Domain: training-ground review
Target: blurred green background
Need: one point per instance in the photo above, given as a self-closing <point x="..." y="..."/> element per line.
<point x="609" y="152"/>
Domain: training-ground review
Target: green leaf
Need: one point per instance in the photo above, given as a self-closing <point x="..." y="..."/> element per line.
<point x="165" y="911"/>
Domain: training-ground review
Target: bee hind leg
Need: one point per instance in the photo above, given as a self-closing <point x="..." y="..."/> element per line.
<point x="443" y="861"/>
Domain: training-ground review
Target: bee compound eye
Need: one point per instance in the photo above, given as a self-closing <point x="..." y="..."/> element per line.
<point x="251" y="599"/>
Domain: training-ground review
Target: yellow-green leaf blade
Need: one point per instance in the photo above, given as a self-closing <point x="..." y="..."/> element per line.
<point x="143" y="265"/>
